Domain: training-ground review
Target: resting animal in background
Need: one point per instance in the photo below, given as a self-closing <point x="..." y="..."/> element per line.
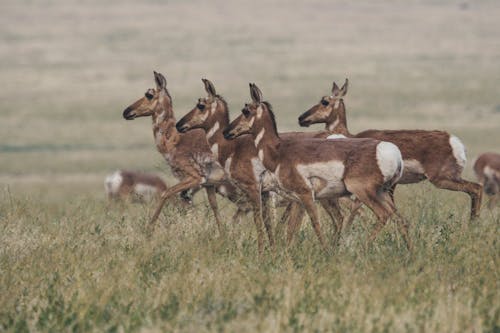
<point x="138" y="186"/>
<point x="487" y="169"/>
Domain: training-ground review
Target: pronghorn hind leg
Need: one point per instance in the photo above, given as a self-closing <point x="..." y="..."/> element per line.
<point x="474" y="190"/>
<point x="331" y="206"/>
<point x="295" y="221"/>
<point x="183" y="185"/>
<point x="403" y="225"/>
<point x="354" y="212"/>
<point x="212" y="200"/>
<point x="285" y="218"/>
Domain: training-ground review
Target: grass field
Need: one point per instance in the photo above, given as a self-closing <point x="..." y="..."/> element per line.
<point x="71" y="262"/>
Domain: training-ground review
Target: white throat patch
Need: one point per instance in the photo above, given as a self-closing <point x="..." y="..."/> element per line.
<point x="259" y="137"/>
<point x="215" y="150"/>
<point x="212" y="131"/>
<point x="259" y="112"/>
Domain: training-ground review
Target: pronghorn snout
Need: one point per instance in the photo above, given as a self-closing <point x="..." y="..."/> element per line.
<point x="181" y="126"/>
<point x="129" y="114"/>
<point x="227" y="134"/>
<point x="303" y="121"/>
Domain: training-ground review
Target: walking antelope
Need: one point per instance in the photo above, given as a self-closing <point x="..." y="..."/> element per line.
<point x="487" y="170"/>
<point x="140" y="186"/>
<point x="433" y="155"/>
<point x="189" y="156"/>
<point x="306" y="170"/>
<point x="239" y="157"/>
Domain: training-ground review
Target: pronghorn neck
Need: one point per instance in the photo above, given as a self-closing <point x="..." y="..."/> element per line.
<point x="267" y="142"/>
<point x="215" y="131"/>
<point x="164" y="131"/>
<point x="337" y="122"/>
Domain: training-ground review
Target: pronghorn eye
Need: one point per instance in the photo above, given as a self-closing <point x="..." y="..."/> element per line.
<point x="200" y="107"/>
<point x="324" y="102"/>
<point x="149" y="95"/>
<point x="245" y="112"/>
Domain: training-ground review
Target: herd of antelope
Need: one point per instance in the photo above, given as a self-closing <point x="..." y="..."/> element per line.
<point x="248" y="161"/>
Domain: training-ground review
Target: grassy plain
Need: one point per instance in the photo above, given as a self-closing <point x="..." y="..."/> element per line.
<point x="70" y="262"/>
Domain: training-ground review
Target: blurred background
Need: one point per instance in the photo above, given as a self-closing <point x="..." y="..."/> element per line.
<point x="69" y="68"/>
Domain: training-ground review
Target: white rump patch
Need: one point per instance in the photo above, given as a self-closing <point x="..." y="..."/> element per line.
<point x="491" y="173"/>
<point x="212" y="131"/>
<point x="336" y="136"/>
<point x="458" y="149"/>
<point x="145" y="191"/>
<point x="389" y="160"/>
<point x="259" y="137"/>
<point x="113" y="182"/>
<point x="222" y="190"/>
<point x="324" y="178"/>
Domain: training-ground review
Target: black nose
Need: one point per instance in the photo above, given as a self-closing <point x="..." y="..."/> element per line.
<point x="227" y="135"/>
<point x="126" y="114"/>
<point x="180" y="126"/>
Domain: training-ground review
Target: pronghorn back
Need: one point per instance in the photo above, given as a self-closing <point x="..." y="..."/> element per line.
<point x="123" y="184"/>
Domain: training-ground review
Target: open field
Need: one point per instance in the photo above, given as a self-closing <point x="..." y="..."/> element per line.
<point x="70" y="262"/>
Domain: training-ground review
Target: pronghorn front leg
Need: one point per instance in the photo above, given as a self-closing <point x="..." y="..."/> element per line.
<point x="183" y="185"/>
<point x="213" y="204"/>
<point x="332" y="207"/>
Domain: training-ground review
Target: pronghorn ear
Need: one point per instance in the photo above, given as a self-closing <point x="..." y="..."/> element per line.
<point x="335" y="89"/>
<point x="255" y="93"/>
<point x="343" y="90"/>
<point x="209" y="87"/>
<point x="161" y="82"/>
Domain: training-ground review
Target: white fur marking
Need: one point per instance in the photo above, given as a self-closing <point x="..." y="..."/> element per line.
<point x="458" y="150"/>
<point x="331" y="127"/>
<point x="113" y="182"/>
<point x="324" y="178"/>
<point x="215" y="149"/>
<point x="213" y="107"/>
<point x="337" y="103"/>
<point x="259" y="112"/>
<point x="212" y="131"/>
<point x="227" y="166"/>
<point x="261" y="155"/>
<point x="413" y="166"/>
<point x="250" y="124"/>
<point x="259" y="137"/>
<point x="389" y="160"/>
<point x="336" y="136"/>
<point x="145" y="191"/>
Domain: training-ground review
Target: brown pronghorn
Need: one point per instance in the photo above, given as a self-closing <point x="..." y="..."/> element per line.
<point x="433" y="155"/>
<point x="309" y="169"/>
<point x="189" y="156"/>
<point x="239" y="157"/>
<point x="133" y="185"/>
<point x="487" y="170"/>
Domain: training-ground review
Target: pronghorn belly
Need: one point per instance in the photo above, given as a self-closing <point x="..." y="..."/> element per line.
<point x="209" y="168"/>
<point x="144" y="191"/>
<point x="413" y="172"/>
<point x="389" y="161"/>
<point x="265" y="178"/>
<point x="324" y="178"/>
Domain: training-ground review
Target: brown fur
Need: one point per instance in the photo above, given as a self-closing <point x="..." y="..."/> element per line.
<point x="189" y="156"/>
<point x="487" y="170"/>
<point x="283" y="158"/>
<point x="239" y="153"/>
<point x="431" y="149"/>
<point x="127" y="186"/>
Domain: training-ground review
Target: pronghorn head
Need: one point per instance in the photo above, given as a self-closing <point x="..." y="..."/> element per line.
<point x="153" y="102"/>
<point x="253" y="116"/>
<point x="205" y="112"/>
<point x="328" y="110"/>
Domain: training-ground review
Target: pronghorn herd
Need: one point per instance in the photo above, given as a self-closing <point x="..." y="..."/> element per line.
<point x="247" y="159"/>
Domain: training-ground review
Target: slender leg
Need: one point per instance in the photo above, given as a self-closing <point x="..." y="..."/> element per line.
<point x="474" y="190"/>
<point x="332" y="207"/>
<point x="266" y="215"/>
<point x="285" y="218"/>
<point x="312" y="210"/>
<point x="212" y="200"/>
<point x="183" y="185"/>
<point x="354" y="212"/>
<point x="294" y="221"/>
